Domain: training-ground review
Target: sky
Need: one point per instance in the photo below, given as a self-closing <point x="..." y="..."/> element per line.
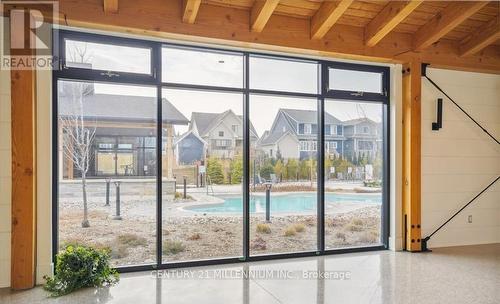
<point x="226" y="69"/>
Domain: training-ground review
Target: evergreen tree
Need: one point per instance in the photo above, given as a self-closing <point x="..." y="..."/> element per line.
<point x="266" y="170"/>
<point x="291" y="168"/>
<point x="214" y="171"/>
<point x="278" y="169"/>
<point x="236" y="170"/>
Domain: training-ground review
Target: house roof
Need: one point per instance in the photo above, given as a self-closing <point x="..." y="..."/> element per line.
<point x="309" y="116"/>
<point x="206" y="121"/>
<point x="358" y="121"/>
<point x="122" y="108"/>
<point x="272" y="138"/>
<point x="186" y="134"/>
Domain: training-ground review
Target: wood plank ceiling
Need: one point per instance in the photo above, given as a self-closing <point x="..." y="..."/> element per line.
<point x="448" y="34"/>
<point x="472" y="25"/>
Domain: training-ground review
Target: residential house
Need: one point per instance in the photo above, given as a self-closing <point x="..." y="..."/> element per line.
<point x="219" y="134"/>
<point x="362" y="137"/>
<point x="125" y="132"/>
<point x="294" y="135"/>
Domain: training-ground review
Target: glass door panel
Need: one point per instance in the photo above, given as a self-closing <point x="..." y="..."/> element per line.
<point x="92" y="119"/>
<point x="202" y="175"/>
<point x="283" y="175"/>
<point x="353" y="174"/>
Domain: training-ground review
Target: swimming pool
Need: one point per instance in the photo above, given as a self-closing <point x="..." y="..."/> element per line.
<point x="295" y="202"/>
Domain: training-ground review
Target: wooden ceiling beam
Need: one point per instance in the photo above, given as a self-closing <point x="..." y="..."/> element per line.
<point x="484" y="36"/>
<point x="260" y="14"/>
<point x="444" y="22"/>
<point x="385" y="21"/>
<point x="190" y="10"/>
<point x="230" y="27"/>
<point x="327" y="16"/>
<point x="110" y="6"/>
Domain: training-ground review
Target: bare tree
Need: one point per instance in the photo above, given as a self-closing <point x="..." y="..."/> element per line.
<point x="78" y="132"/>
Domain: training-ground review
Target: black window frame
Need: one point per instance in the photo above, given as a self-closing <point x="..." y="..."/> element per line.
<point x="358" y="95"/>
<point x="105" y="75"/>
<point x="72" y="74"/>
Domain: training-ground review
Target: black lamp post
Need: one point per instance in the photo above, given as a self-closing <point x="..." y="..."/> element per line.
<point x="117" y="215"/>
<point x="268" y="201"/>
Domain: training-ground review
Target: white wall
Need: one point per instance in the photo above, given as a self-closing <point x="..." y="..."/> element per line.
<point x="5" y="170"/>
<point x="396" y="159"/>
<point x="459" y="160"/>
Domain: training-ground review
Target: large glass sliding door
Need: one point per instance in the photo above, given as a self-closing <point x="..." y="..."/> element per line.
<point x="171" y="155"/>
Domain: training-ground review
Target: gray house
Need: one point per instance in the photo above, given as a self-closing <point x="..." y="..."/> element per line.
<point x="362" y="137"/>
<point x="219" y="135"/>
<point x="190" y="148"/>
<point x="125" y="131"/>
<point x="294" y="135"/>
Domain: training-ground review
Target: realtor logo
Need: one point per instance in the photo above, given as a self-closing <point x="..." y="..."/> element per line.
<point x="27" y="33"/>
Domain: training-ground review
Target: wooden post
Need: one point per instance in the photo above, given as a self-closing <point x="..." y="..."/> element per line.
<point x="411" y="155"/>
<point x="23" y="107"/>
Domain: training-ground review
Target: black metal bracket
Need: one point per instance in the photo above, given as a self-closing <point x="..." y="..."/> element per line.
<point x="439" y="124"/>
<point x="424" y="69"/>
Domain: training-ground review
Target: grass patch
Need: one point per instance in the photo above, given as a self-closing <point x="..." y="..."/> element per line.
<point x="258" y="244"/>
<point x="75" y="242"/>
<point x="173" y="247"/>
<point x="263" y="228"/>
<point x="131" y="240"/>
<point x="356" y="225"/>
<point x="369" y="237"/>
<point x="299" y="227"/>
<point x="194" y="237"/>
<point x="290" y="231"/>
<point x="180" y="196"/>
<point x="115" y="249"/>
<point x="358" y="222"/>
<point x="341" y="236"/>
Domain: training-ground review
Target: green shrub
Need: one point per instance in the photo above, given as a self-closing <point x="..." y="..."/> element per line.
<point x="173" y="247"/>
<point x="266" y="171"/>
<point x="75" y="242"/>
<point x="290" y="231"/>
<point x="131" y="239"/>
<point x="263" y="228"/>
<point x="79" y="267"/>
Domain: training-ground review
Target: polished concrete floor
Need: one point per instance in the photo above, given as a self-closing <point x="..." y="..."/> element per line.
<point x="469" y="274"/>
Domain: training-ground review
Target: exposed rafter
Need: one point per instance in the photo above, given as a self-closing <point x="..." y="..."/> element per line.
<point x="392" y="14"/>
<point x="484" y="36"/>
<point x="444" y="22"/>
<point x="261" y="12"/>
<point x="230" y="26"/>
<point x="110" y="6"/>
<point x="190" y="10"/>
<point x="327" y="16"/>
